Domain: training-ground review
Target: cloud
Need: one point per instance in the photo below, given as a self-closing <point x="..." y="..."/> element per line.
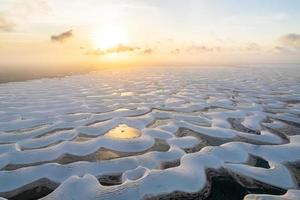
<point x="202" y="49"/>
<point x="6" y="25"/>
<point x="95" y="52"/>
<point x="27" y="9"/>
<point x="284" y="50"/>
<point x="279" y="49"/>
<point x="252" y="46"/>
<point x="147" y="51"/>
<point x="62" y="37"/>
<point x="291" y="40"/>
<point x="120" y="48"/>
<point x="176" y="51"/>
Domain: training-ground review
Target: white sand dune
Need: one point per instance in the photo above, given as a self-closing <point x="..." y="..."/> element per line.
<point x="41" y="121"/>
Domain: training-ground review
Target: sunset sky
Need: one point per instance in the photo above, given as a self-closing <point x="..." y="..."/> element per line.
<point x="47" y="33"/>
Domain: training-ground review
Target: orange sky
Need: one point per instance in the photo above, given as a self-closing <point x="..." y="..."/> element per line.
<point x="76" y="34"/>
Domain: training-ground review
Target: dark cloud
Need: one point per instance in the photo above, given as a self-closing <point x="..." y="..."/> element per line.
<point x="62" y="37"/>
<point x="6" y="25"/>
<point x="291" y="40"/>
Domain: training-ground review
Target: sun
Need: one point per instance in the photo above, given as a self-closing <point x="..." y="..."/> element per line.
<point x="109" y="36"/>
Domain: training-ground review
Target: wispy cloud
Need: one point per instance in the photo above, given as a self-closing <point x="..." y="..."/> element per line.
<point x="202" y="49"/>
<point x="291" y="40"/>
<point x="29" y="8"/>
<point x="252" y="46"/>
<point x="5" y="24"/>
<point x="282" y="49"/>
<point x="176" y="51"/>
<point x="120" y="48"/>
<point x="95" y="52"/>
<point x="147" y="51"/>
<point x="62" y="37"/>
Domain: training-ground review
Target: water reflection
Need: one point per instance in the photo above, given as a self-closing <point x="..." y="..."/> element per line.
<point x="123" y="132"/>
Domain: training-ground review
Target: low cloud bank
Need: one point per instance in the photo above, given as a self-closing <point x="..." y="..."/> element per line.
<point x="120" y="48"/>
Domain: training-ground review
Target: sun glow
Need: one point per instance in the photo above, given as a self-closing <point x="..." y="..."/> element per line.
<point x="110" y="36"/>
